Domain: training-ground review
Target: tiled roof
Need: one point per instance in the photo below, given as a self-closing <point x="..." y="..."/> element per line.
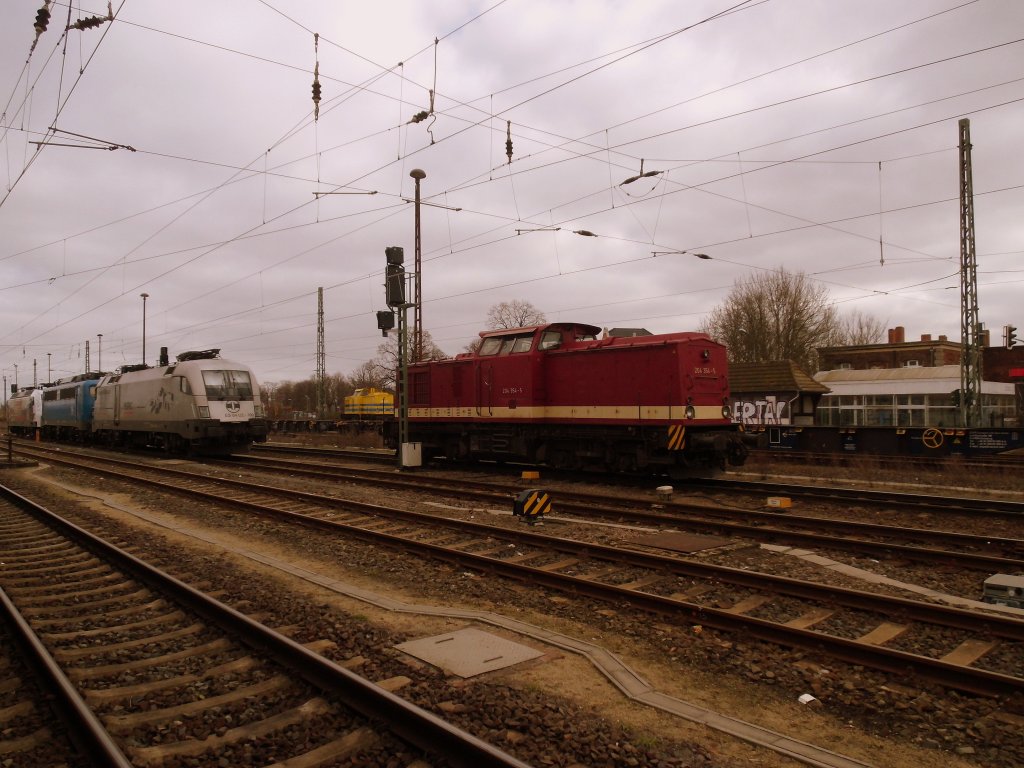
<point x="773" y="375"/>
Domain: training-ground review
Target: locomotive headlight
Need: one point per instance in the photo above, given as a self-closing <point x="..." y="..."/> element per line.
<point x="204" y="411"/>
<point x="726" y="412"/>
<point x="691" y="412"/>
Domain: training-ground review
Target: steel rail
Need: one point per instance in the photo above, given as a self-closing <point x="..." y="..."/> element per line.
<point x="979" y="681"/>
<point x="84" y="728"/>
<point x="958" y="504"/>
<point x="997" y="624"/>
<point x="740" y="522"/>
<point x="417" y="726"/>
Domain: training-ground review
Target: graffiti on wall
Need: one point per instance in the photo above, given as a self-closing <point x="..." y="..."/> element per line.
<point x="766" y="410"/>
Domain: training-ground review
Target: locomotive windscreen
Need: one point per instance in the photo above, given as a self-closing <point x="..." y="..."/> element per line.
<point x="227" y="385"/>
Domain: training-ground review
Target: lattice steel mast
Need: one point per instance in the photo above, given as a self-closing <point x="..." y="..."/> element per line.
<point x="321" y="356"/>
<point x="970" y="327"/>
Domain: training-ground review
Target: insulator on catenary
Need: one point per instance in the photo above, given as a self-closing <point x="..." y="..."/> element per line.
<point x="93" y="21"/>
<point x="316" y="92"/>
<point x="87" y="23"/>
<point x="316" y="77"/>
<point x="42" y="19"/>
<point x="508" y="141"/>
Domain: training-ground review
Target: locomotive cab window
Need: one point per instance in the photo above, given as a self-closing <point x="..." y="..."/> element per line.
<point x="523" y="344"/>
<point x="490" y="346"/>
<point x="227" y="385"/>
<point x="513" y="345"/>
<point x="550" y="340"/>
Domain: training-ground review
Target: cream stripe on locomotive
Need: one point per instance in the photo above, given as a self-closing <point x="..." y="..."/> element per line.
<point x="596" y="412"/>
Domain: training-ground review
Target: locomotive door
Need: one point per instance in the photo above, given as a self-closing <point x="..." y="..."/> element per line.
<point x="484" y="388"/>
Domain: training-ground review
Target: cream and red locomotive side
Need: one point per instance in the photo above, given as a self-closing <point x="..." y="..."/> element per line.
<point x="557" y="394"/>
<point x="199" y="403"/>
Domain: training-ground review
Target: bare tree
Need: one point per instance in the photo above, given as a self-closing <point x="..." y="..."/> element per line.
<point x="385" y="365"/>
<point x="514" y="314"/>
<point x="775" y="316"/>
<point x="366" y="376"/>
<point x="856" y="329"/>
<point x="296" y="397"/>
<point x="268" y="395"/>
<point x="509" y="314"/>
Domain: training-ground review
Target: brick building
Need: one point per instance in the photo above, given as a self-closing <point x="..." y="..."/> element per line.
<point x="911" y="383"/>
<point x="896" y="353"/>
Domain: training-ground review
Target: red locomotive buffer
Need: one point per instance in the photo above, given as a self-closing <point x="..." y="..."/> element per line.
<point x="558" y="395"/>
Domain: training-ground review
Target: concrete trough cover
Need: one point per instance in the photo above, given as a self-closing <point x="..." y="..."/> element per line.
<point x="682" y="542"/>
<point x="469" y="652"/>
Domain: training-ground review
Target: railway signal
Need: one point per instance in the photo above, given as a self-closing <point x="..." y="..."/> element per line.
<point x="1009" y="335"/>
<point x="394" y="276"/>
<point x="385" y="321"/>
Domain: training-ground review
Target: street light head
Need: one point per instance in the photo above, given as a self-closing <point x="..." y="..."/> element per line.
<point x="144" y="295"/>
<point x="417" y="174"/>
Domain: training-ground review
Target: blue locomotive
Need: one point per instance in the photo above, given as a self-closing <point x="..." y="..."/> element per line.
<point x="67" y="408"/>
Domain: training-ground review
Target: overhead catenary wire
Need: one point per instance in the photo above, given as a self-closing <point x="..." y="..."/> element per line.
<point x="662" y="198"/>
<point x="780" y="68"/>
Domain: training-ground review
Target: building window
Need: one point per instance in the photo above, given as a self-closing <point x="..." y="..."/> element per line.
<point x="911" y="364"/>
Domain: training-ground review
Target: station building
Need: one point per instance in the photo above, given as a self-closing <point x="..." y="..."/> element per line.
<point x="914" y="384"/>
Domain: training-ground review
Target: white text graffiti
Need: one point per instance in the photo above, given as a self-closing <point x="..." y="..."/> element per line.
<point x="770" y="410"/>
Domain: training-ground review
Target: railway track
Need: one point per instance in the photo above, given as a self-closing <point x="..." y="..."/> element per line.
<point x="995" y="462"/>
<point x="362" y="454"/>
<point x="977" y="652"/>
<point x="147" y="669"/>
<point x="32" y="733"/>
<point x="948" y="548"/>
<point x="994" y="507"/>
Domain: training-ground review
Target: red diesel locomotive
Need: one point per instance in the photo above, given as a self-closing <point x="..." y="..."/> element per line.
<point x="558" y="395"/>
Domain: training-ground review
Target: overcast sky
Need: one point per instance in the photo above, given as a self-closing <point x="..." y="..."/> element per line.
<point x="175" y="152"/>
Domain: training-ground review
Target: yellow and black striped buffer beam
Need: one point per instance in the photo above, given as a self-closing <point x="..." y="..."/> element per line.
<point x="532" y="503"/>
<point x="676" y="437"/>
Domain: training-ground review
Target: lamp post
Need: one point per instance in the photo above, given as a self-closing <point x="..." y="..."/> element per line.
<point x="99" y="352"/>
<point x="417" y="323"/>
<point x="144" y="297"/>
